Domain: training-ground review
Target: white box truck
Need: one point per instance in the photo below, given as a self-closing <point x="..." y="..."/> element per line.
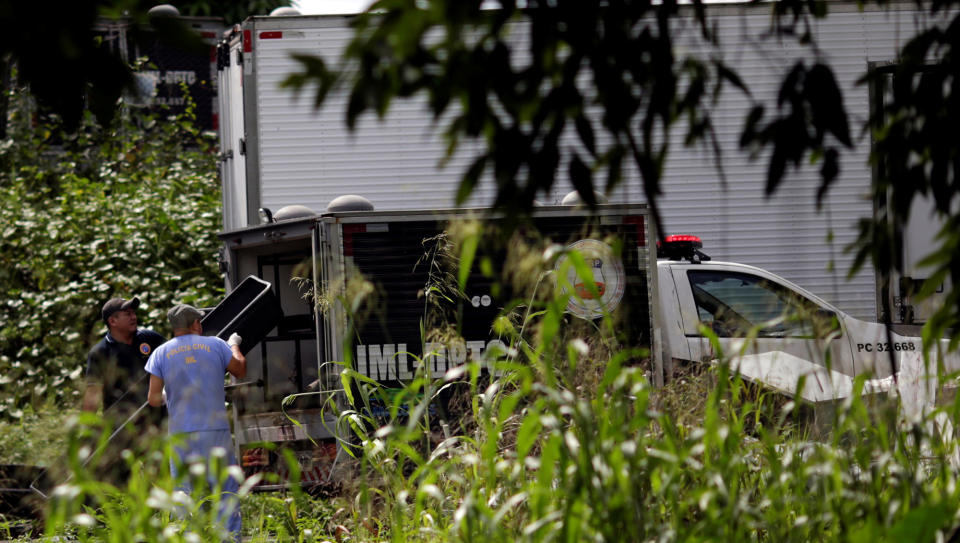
<point x="278" y="153"/>
<point x="278" y="150"/>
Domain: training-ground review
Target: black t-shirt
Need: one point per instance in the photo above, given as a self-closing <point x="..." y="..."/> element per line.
<point x="119" y="368"/>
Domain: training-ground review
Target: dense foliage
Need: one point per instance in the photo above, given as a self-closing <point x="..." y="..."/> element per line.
<point x="548" y="462"/>
<point x="127" y="210"/>
<point x="69" y="71"/>
<point x="571" y="443"/>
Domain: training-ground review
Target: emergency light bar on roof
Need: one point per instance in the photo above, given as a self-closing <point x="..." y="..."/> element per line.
<point x="682" y="247"/>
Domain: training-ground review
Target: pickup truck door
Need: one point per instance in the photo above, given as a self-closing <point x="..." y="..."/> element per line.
<point x="757" y="313"/>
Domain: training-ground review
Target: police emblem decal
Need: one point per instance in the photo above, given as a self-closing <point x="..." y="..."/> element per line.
<point x="609" y="280"/>
<point x="145" y="348"/>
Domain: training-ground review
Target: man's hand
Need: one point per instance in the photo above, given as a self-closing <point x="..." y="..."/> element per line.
<point x="237" y="366"/>
<point x="92" y="397"/>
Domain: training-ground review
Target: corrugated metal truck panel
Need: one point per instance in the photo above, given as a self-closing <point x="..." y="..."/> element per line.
<point x="786" y="233"/>
<point x="309" y="157"/>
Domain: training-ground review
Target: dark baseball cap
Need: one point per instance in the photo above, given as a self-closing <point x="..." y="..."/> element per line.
<point x="118" y="304"/>
<point x="182" y="316"/>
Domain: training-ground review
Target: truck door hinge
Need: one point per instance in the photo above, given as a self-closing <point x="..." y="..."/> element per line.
<point x="239" y="57"/>
<point x="226" y="155"/>
<point x="223" y="56"/>
<point x="243" y="146"/>
<point x="222" y="262"/>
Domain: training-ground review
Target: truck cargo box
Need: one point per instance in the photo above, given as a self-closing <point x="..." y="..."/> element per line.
<point x="397" y="252"/>
<point x="293" y="378"/>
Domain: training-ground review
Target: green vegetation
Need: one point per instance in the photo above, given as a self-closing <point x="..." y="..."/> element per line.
<point x="569" y="443"/>
<point x="37" y="437"/>
<point x="128" y="210"/>
<point x="535" y="459"/>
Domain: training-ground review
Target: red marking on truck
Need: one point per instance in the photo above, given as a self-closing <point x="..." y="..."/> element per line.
<point x="272" y="35"/>
<point x="247" y="41"/>
<point x="641" y="232"/>
<point x="348" y="231"/>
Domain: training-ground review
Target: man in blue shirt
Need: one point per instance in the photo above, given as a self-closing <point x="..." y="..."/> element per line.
<point x="190" y="369"/>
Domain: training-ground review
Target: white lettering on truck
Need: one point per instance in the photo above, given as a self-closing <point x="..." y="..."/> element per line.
<point x="886" y="347"/>
<point x="173" y="77"/>
<point x="390" y="361"/>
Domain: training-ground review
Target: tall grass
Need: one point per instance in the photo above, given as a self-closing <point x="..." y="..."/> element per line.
<point x="149" y="506"/>
<point x="543" y="463"/>
<point x="567" y="441"/>
<point x="552" y="454"/>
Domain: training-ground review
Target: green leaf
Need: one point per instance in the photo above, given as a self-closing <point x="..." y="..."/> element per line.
<point x="529" y="432"/>
<point x="468" y="252"/>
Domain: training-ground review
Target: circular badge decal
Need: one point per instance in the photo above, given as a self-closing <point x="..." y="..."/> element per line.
<point x="145" y="348"/>
<point x="608" y="276"/>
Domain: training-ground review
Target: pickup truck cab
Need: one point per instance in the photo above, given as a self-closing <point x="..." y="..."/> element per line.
<point x="775" y="332"/>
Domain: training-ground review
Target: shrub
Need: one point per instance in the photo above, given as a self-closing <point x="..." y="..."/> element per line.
<point x="129" y="210"/>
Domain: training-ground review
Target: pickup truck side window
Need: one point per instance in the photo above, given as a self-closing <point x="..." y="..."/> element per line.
<point x="733" y="304"/>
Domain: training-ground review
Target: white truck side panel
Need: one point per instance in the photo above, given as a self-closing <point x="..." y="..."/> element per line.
<point x="308" y="157"/>
<point x="786" y="234"/>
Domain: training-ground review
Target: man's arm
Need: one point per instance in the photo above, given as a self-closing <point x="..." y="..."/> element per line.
<point x="237" y="366"/>
<point x="93" y="393"/>
<point x="92" y="397"/>
<point x="238" y="363"/>
<point x="155" y="395"/>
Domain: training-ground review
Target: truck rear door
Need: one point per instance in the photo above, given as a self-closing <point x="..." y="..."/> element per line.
<point x="232" y="157"/>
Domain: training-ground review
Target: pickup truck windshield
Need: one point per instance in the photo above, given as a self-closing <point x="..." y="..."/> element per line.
<point x="732" y="304"/>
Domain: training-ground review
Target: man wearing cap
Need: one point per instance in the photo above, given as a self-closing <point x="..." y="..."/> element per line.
<point x="190" y="369"/>
<point x="115" y="375"/>
<point x="116" y="380"/>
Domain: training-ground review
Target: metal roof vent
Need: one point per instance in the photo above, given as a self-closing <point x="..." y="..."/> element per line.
<point x="284" y="11"/>
<point x="164" y="10"/>
<point x="573" y="199"/>
<point x="349" y="202"/>
<point x="286" y="213"/>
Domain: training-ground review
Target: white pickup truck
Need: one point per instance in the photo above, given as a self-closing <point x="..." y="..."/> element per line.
<point x="774" y="331"/>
